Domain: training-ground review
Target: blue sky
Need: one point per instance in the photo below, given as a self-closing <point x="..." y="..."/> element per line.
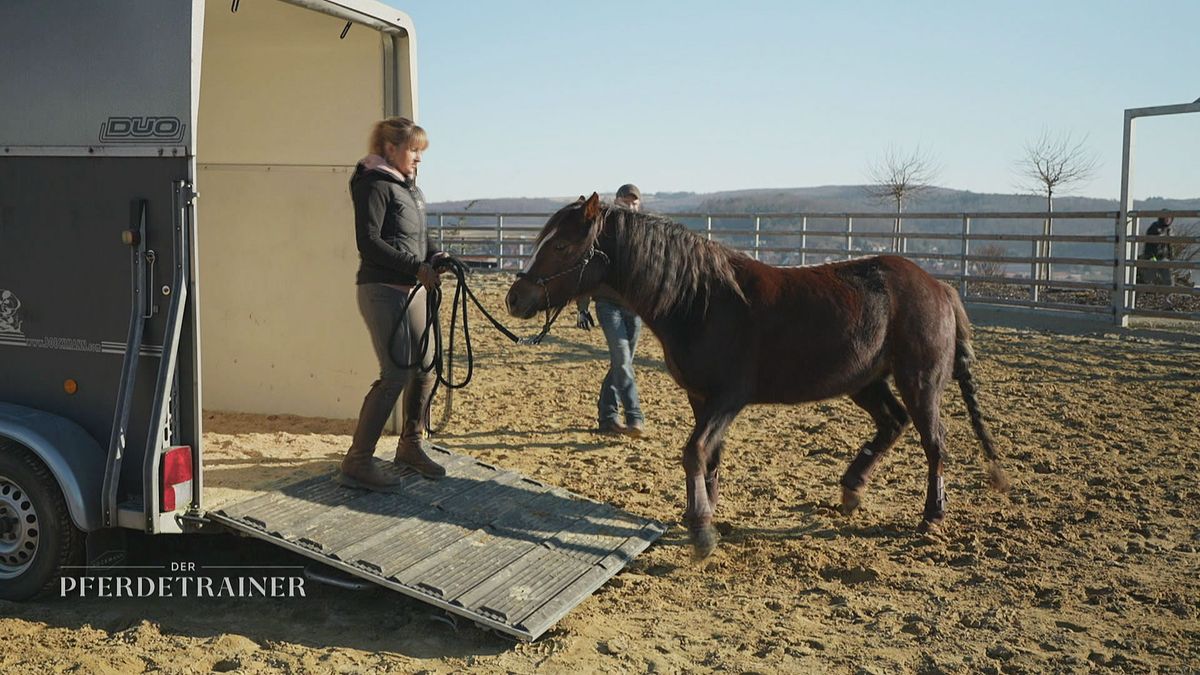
<point x="530" y="99"/>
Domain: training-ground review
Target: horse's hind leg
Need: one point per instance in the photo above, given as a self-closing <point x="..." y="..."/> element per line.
<point x="923" y="401"/>
<point x="890" y="420"/>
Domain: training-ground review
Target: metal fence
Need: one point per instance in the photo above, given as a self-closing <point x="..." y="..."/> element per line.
<point x="1082" y="262"/>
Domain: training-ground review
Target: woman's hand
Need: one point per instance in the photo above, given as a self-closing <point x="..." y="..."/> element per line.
<point x="427" y="277"/>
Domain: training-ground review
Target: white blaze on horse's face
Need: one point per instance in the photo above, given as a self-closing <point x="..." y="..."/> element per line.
<point x="541" y="245"/>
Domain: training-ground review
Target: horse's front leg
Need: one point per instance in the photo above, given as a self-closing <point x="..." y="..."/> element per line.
<point x="702" y="493"/>
<point x="699" y="513"/>
<point x="712" y="477"/>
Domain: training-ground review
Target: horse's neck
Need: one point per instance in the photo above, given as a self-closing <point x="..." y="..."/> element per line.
<point x="651" y="296"/>
<point x="667" y="325"/>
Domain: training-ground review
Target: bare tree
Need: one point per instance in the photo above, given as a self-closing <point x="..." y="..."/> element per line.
<point x="897" y="178"/>
<point x="1054" y="165"/>
<point x="456" y="232"/>
<point x="990" y="268"/>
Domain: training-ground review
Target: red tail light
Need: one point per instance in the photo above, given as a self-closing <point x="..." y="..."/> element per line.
<point x="176" y="474"/>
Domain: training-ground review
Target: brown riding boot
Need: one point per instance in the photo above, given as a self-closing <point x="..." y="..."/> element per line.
<point x="412" y="450"/>
<point x="358" y="469"/>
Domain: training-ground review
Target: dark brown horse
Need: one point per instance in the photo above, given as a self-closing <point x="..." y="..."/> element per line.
<point x="735" y="331"/>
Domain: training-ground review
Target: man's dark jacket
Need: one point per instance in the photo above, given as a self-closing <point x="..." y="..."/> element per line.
<point x="1154" y="250"/>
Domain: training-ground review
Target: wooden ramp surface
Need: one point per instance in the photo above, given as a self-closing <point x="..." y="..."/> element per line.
<point x="506" y="551"/>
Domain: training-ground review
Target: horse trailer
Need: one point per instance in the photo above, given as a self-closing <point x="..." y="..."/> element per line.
<point x="137" y="135"/>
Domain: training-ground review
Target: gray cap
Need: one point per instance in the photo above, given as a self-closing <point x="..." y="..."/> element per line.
<point x="629" y="190"/>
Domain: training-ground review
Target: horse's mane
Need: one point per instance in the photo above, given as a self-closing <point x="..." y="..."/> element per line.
<point x="665" y="265"/>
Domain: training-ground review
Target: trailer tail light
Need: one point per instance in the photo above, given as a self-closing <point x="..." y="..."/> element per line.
<point x="176" y="474"/>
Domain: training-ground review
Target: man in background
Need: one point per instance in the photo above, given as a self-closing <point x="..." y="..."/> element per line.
<point x="621" y="327"/>
<point x="1157" y="251"/>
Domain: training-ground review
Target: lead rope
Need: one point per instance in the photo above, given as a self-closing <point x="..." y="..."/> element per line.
<point x="442" y="362"/>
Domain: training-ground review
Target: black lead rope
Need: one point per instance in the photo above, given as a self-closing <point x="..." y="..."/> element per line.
<point x="442" y="362"/>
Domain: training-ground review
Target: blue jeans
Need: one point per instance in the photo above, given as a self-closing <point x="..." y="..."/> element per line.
<point x="621" y="328"/>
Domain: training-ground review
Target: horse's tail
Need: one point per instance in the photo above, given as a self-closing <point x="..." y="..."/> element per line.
<point x="964" y="356"/>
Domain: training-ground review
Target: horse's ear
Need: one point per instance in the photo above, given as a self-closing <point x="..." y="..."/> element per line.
<point x="581" y="199"/>
<point x="591" y="210"/>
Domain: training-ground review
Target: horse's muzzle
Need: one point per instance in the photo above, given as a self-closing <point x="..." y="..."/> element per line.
<point x="524" y="299"/>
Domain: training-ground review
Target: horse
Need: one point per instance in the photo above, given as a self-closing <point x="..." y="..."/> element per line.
<point x="735" y="332"/>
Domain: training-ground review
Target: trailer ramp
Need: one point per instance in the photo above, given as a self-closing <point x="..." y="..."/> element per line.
<point x="503" y="550"/>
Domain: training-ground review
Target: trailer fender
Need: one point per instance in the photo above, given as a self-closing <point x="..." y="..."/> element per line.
<point x="74" y="458"/>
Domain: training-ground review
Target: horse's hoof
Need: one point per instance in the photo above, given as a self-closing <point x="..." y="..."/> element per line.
<point x="931" y="527"/>
<point x="850" y="501"/>
<point x="998" y="479"/>
<point x="704" y="542"/>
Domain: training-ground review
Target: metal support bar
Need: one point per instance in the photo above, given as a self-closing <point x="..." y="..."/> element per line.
<point x="849" y="235"/>
<point x="1048" y="249"/>
<point x="1124" y="299"/>
<point x="499" y="241"/>
<point x="177" y="301"/>
<point x="1034" y="264"/>
<point x="965" y="251"/>
<point x="803" y="239"/>
<point x="757" y="231"/>
<point x="133" y="346"/>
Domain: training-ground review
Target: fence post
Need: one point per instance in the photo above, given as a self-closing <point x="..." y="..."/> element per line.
<point x="965" y="249"/>
<point x="803" y="239"/>
<point x="1117" y="299"/>
<point x="1034" y="268"/>
<point x="708" y="227"/>
<point x="849" y="233"/>
<point x="499" y="242"/>
<point x="757" y="225"/>
<point x="1048" y="249"/>
<point x="1129" y="269"/>
<point x="441" y="232"/>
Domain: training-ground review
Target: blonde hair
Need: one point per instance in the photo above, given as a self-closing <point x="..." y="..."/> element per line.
<point x="400" y="132"/>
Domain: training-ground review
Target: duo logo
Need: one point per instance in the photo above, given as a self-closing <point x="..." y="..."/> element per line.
<point x="142" y="130"/>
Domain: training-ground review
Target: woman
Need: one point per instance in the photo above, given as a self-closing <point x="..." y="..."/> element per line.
<point x="395" y="254"/>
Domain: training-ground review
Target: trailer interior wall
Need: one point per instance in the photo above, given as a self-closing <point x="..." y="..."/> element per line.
<point x="285" y="110"/>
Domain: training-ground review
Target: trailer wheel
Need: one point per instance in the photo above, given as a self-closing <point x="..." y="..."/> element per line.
<point x="37" y="537"/>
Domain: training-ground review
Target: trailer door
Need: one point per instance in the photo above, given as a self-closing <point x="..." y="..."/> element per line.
<point x="96" y="139"/>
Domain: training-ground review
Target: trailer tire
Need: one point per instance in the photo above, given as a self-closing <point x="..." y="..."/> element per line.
<point x="37" y="537"/>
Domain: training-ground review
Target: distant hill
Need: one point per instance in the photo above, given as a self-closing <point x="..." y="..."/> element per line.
<point x="502" y="205"/>
<point x="828" y="199"/>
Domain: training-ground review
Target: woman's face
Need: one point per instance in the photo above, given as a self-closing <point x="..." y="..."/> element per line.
<point x="402" y="158"/>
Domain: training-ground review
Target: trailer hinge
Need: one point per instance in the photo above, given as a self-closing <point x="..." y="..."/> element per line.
<point x="194" y="521"/>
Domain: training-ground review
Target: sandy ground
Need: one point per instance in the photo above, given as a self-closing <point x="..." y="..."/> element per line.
<point x="1091" y="563"/>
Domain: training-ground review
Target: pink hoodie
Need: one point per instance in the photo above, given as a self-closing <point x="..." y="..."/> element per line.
<point x="377" y="163"/>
